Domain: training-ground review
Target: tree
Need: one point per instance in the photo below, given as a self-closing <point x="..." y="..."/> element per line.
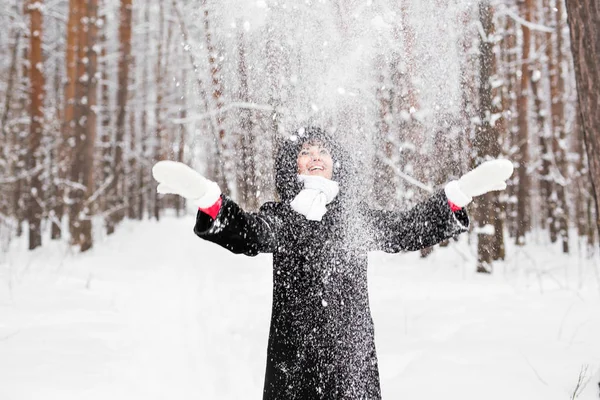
<point x="584" y="24"/>
<point x="559" y="213"/>
<point x="217" y="94"/>
<point x="508" y="66"/>
<point x="159" y="83"/>
<point x="523" y="212"/>
<point x="68" y="145"/>
<point x="36" y="76"/>
<point x="384" y="183"/>
<point x="115" y="212"/>
<point x="89" y="132"/>
<point x="146" y="196"/>
<point x="20" y="146"/>
<point x="537" y="75"/>
<point x="9" y="193"/>
<point x="83" y="137"/>
<point x="246" y="170"/>
<point x="106" y="132"/>
<point x="490" y="242"/>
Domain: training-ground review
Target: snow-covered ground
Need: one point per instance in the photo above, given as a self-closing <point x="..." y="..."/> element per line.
<point x="153" y="312"/>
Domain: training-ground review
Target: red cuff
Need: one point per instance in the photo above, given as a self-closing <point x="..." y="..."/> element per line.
<point x="454" y="207"/>
<point x="214" y="209"/>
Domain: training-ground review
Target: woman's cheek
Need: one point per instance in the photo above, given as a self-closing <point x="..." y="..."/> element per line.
<point x="302" y="161"/>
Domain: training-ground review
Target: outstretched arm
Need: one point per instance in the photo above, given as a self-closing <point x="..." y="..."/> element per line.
<point x="240" y="232"/>
<point x="426" y="224"/>
<point x="442" y="215"/>
<point x="219" y="219"/>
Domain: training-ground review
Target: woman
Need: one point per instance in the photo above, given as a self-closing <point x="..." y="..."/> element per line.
<point x="321" y="340"/>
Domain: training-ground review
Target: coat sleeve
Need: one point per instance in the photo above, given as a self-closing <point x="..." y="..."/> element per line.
<point x="238" y="231"/>
<point x="425" y="225"/>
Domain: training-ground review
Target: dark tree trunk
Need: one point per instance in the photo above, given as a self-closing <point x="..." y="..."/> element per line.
<point x="89" y="142"/>
<point x="36" y="76"/>
<point x="145" y="195"/>
<point x="217" y="94"/>
<point x="584" y="24"/>
<point x="523" y="206"/>
<point x="490" y="244"/>
<point x="560" y="213"/>
<point x="115" y="213"/>
<point x="107" y="141"/>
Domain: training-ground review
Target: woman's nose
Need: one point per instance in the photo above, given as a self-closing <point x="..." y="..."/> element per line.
<point x="315" y="155"/>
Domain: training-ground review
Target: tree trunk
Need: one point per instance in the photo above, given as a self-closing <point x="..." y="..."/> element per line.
<point x="115" y="212"/>
<point x="277" y="90"/>
<point x="413" y="161"/>
<point x="584" y="24"/>
<point x="89" y="138"/>
<point x="106" y="139"/>
<point x="209" y="124"/>
<point x="546" y="207"/>
<point x="133" y="185"/>
<point x="158" y="155"/>
<point x="9" y="136"/>
<point x="582" y="189"/>
<point x="180" y="201"/>
<point x="510" y="51"/>
<point x="22" y="190"/>
<point x="247" y="170"/>
<point x="523" y="206"/>
<point x="56" y="153"/>
<point x="69" y="148"/>
<point x="183" y="133"/>
<point x="560" y="211"/>
<point x="384" y="187"/>
<point x="80" y="130"/>
<point x="490" y="243"/>
<point x="12" y="77"/>
<point x="36" y="76"/>
<point x="217" y="94"/>
<point x="145" y="195"/>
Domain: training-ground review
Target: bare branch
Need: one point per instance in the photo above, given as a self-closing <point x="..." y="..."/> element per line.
<point x="582" y="380"/>
<point x="530" y="25"/>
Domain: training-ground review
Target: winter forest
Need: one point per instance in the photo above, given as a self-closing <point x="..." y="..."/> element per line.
<point x="94" y="92"/>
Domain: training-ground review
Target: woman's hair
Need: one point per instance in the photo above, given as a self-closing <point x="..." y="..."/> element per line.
<point x="286" y="163"/>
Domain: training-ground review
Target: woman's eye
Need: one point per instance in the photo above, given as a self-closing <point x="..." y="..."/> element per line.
<point x="324" y="151"/>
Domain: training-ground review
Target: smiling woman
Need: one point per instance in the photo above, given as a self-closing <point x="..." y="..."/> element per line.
<point x="321" y="342"/>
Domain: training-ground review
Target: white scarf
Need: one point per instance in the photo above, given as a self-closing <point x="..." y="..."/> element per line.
<point x="317" y="193"/>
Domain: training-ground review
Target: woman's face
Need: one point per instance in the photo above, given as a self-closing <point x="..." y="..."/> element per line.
<point x="314" y="159"/>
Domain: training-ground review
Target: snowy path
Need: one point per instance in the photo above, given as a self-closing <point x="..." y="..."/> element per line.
<point x="155" y="313"/>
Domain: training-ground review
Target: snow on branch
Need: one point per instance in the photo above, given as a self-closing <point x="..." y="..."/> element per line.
<point x="415" y="182"/>
<point x="100" y="190"/>
<point x="582" y="381"/>
<point x="23" y="175"/>
<point x="408" y="178"/>
<point x="71" y="184"/>
<point x="106" y="213"/>
<point x="530" y="25"/>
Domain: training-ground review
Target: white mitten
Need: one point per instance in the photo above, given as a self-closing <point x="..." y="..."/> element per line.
<point x="177" y="178"/>
<point x="489" y="176"/>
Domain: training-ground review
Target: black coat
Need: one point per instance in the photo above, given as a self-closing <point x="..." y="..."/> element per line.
<point x="321" y="340"/>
